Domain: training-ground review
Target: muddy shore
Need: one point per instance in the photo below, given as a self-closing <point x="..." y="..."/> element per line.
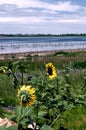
<point x="21" y="55"/>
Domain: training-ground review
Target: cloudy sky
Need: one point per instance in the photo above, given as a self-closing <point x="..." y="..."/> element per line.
<point x="42" y="16"/>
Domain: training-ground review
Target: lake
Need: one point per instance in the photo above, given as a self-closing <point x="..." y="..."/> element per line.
<point x="31" y="44"/>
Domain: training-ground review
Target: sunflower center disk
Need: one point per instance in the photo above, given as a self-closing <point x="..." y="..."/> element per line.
<point x="50" y="71"/>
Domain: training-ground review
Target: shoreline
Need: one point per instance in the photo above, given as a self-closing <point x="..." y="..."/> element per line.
<point x="21" y="55"/>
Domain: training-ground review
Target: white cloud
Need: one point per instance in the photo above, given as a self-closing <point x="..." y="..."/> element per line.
<point x="21" y="11"/>
<point x="39" y="14"/>
<point x="21" y="20"/>
<point x="60" y="6"/>
<point x="42" y="19"/>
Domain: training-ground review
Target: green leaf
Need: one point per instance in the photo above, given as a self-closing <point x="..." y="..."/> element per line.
<point x="51" y="112"/>
<point x="43" y="95"/>
<point x="12" y="128"/>
<point x="17" y="110"/>
<point x="79" y="101"/>
<point x="16" y="62"/>
<point x="58" y="97"/>
<point x="27" y="111"/>
<point x="46" y="127"/>
<point x="23" y="121"/>
<point x="42" y="113"/>
<point x="3" y="127"/>
<point x="9" y="116"/>
<point x="70" y="106"/>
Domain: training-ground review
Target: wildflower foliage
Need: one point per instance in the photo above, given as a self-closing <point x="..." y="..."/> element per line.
<point x="43" y="97"/>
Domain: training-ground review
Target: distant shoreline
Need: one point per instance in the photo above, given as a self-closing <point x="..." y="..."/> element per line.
<point x="42" y="35"/>
<point x="21" y="55"/>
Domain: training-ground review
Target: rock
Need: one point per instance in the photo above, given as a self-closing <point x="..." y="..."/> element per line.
<point x="9" y="122"/>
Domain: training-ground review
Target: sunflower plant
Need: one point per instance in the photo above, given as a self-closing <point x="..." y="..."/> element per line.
<point x="22" y="113"/>
<point x="54" y="95"/>
<point x="26" y="94"/>
<point x="46" y="91"/>
<point x="43" y="98"/>
<point x="29" y="98"/>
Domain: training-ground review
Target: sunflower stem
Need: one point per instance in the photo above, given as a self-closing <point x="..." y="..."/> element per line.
<point x="22" y="78"/>
<point x="14" y="75"/>
<point x="37" y="113"/>
<point x="19" y="116"/>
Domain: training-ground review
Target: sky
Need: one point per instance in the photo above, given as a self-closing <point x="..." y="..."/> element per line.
<point x="42" y="16"/>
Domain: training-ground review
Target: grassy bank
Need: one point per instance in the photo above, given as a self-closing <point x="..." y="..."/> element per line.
<point x="69" y="103"/>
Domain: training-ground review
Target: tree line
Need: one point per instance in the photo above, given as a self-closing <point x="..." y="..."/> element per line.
<point x="40" y="35"/>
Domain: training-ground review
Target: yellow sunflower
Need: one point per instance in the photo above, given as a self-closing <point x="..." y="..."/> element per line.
<point x="2" y="71"/>
<point x="26" y="95"/>
<point x="51" y="70"/>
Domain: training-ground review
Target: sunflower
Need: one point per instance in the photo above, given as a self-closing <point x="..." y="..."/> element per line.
<point x="51" y="70"/>
<point x="26" y="95"/>
<point x="2" y="70"/>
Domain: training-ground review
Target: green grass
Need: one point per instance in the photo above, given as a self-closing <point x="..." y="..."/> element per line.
<point x="74" y="119"/>
<point x="59" y="59"/>
<point x="7" y="92"/>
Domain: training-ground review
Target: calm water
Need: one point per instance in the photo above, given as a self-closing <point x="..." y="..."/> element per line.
<point x="28" y="44"/>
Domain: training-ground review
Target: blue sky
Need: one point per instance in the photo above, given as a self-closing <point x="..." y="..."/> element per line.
<point x="42" y="16"/>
